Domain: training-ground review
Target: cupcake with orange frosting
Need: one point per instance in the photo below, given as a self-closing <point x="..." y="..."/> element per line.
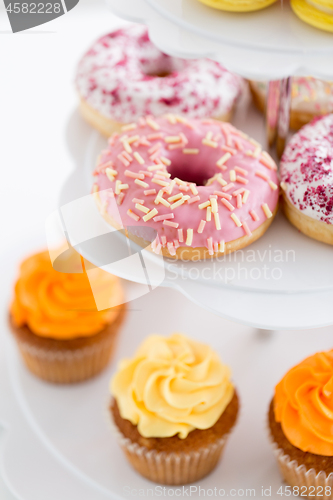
<point x="173" y="406"/>
<point x="61" y="335"/>
<point x="301" y="426"/>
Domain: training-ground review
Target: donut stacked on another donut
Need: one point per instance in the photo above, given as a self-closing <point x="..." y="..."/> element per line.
<point x="123" y="76"/>
<point x="203" y="185"/>
<point x="310" y="97"/>
<point x="307" y="179"/>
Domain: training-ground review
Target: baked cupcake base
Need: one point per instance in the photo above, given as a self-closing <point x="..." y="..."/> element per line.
<point x="172" y="460"/>
<point x="107" y="127"/>
<point x="67" y="361"/>
<point x="310" y="472"/>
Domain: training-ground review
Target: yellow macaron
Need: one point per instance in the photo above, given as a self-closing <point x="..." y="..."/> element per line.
<point x="238" y="5"/>
<point x="318" y="13"/>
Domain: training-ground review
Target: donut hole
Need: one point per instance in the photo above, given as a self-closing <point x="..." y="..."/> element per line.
<point x="191" y="172"/>
<point x="161" y="67"/>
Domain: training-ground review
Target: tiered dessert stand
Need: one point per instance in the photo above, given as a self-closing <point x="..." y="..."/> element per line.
<point x="283" y="281"/>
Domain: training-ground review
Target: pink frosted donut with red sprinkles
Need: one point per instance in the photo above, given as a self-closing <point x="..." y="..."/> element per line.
<point x="205" y="187"/>
<point x="123" y="76"/>
<point x="307" y="179"/>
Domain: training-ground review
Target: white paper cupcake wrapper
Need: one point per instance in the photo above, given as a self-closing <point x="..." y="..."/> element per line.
<point x="67" y="366"/>
<point x="310" y="483"/>
<point x="171" y="468"/>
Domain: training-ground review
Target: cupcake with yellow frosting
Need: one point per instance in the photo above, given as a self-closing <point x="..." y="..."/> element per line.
<point x="61" y="335"/>
<point x="301" y="426"/>
<point x="173" y="406"/>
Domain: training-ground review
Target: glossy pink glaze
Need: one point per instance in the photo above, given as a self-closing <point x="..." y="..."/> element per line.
<point x="197" y="168"/>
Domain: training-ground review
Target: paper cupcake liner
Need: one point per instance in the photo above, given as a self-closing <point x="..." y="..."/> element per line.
<point x="67" y="366"/>
<point x="171" y="468"/>
<point x="310" y="483"/>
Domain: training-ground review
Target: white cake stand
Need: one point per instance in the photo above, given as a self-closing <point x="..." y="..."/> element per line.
<point x="271" y="44"/>
<point x="282" y="281"/>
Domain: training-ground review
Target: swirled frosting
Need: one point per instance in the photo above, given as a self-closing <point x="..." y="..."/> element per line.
<point x="172" y="386"/>
<point x="60" y="305"/>
<point x="303" y="404"/>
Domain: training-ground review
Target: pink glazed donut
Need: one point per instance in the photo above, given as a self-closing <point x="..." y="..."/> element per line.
<point x="123" y="76"/>
<point x="307" y="179"/>
<point x="205" y="187"/>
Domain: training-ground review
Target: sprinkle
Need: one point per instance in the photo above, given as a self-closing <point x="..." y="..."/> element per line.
<point x="134" y="175"/>
<point x="283" y="186"/>
<point x="123" y="160"/>
<point x="267" y="161"/>
<point x="158" y="218"/>
<point x="183" y="188"/>
<point x="216" y="247"/>
<point x="179" y="182"/>
<point x="189" y="237"/>
<point x="160" y="199"/>
<point x="138" y="158"/>
<point x="155" y="157"/>
<point x="221" y="181"/>
<point x="245" y="196"/>
<point x="241" y="171"/>
<point x="222" y="246"/>
<point x="178" y="203"/>
<point x="254" y="215"/>
<point x="171" y="139"/>
<point x="156" y="180"/>
<point x="262" y="175"/>
<point x="141" y="183"/>
<point x="246" y="229"/>
<point x="176" y="146"/>
<point x="117" y="190"/>
<point x="171" y="118"/>
<point x="127" y="156"/>
<point x="217" y="221"/>
<point x="201" y="226"/>
<point x="149" y="192"/>
<point x="152" y="124"/>
<point x="192" y="151"/>
<point x="209" y="214"/>
<point x="223" y="195"/>
<point x="266" y="210"/>
<point x="127" y="147"/>
<point x="175" y="197"/>
<point x="257" y="152"/>
<point x="163" y="240"/>
<point x="155" y="148"/>
<point x="239" y="201"/>
<point x="209" y="143"/>
<point x="242" y="180"/>
<point x="193" y="188"/>
<point x="183" y="120"/>
<point x="183" y="138"/>
<point x="236" y="220"/>
<point x="214" y="206"/>
<point x="239" y="144"/>
<point x="136" y="200"/>
<point x="113" y="138"/>
<point x="133" y="138"/>
<point x="180" y="235"/>
<point x="209" y="135"/>
<point x="238" y="191"/>
<point x="210" y="246"/>
<point x="171" y="248"/>
<point x="161" y="175"/>
<point x="130" y="126"/>
<point x="228" y="187"/>
<point x="133" y="215"/>
<point x="223" y="159"/>
<point x="150" y="215"/>
<point x="171" y="224"/>
<point x="232" y="151"/>
<point x="176" y="243"/>
<point x="204" y="205"/>
<point x="272" y="185"/>
<point x="103" y="166"/>
<point x="110" y="173"/>
<point x="193" y="200"/>
<point x="166" y="161"/>
<point x="227" y="204"/>
<point x="140" y="207"/>
<point x="232" y="175"/>
<point x="153" y="167"/>
<point x="145" y="173"/>
<point x="120" y="198"/>
<point x="154" y="137"/>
